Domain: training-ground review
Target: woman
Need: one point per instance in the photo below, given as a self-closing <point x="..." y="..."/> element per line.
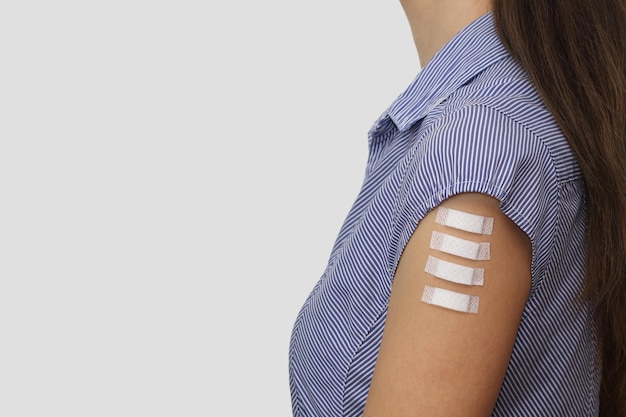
<point x="482" y="269"/>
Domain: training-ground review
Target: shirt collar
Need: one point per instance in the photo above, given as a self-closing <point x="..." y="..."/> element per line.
<point x="471" y="51"/>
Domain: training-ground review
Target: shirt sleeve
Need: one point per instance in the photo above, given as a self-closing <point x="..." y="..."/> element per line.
<point x="479" y="149"/>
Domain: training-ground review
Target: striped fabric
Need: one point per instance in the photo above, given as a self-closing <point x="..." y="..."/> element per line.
<point x="470" y="122"/>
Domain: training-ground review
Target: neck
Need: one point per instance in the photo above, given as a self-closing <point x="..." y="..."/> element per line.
<point x="435" y="22"/>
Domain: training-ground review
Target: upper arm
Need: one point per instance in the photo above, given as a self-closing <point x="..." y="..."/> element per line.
<point x="435" y="361"/>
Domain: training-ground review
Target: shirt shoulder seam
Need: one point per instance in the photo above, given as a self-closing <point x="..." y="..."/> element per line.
<point x="531" y="131"/>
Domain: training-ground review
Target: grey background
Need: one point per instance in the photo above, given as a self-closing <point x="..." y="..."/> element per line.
<point x="172" y="177"/>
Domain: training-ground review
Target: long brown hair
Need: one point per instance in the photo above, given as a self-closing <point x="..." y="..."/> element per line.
<point x="575" y="53"/>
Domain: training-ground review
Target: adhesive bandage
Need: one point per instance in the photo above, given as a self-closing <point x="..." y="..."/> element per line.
<point x="450" y="299"/>
<point x="460" y="247"/>
<point x="464" y="221"/>
<point x="452" y="272"/>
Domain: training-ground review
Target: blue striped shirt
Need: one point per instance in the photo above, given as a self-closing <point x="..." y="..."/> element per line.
<point x="471" y="121"/>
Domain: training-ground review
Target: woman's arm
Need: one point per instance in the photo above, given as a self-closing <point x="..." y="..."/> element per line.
<point x="437" y="362"/>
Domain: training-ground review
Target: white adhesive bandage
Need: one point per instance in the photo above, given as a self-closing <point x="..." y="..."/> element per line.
<point x="460" y="247"/>
<point x="450" y="299"/>
<point x="464" y="221"/>
<point x="455" y="273"/>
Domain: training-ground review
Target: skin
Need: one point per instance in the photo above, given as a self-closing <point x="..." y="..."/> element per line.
<point x="435" y="362"/>
<point x="434" y="22"/>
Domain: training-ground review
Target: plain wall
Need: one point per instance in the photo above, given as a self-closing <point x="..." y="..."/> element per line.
<point x="173" y="175"/>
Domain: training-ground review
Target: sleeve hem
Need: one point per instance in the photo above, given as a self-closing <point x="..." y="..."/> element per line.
<point x="494" y="191"/>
